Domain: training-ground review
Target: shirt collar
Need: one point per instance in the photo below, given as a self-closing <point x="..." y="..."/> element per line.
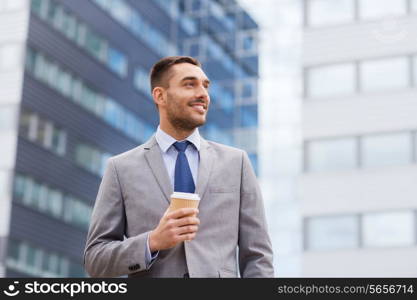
<point x="165" y="141"/>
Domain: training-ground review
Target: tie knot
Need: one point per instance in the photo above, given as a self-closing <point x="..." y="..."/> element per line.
<point x="181" y="146"/>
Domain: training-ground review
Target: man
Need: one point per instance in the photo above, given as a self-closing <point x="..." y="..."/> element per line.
<point x="131" y="232"/>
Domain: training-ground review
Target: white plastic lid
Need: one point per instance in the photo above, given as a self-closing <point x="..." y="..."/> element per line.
<point x="188" y="196"/>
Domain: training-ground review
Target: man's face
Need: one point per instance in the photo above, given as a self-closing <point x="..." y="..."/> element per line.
<point x="187" y="98"/>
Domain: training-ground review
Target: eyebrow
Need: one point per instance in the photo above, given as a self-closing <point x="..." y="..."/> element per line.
<point x="194" y="78"/>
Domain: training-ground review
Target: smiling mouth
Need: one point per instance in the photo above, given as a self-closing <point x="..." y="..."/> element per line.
<point x="200" y="107"/>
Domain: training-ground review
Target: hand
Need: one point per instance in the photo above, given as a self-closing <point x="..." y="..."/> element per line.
<point x="174" y="228"/>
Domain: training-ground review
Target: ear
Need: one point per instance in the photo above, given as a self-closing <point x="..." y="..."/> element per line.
<point x="158" y="95"/>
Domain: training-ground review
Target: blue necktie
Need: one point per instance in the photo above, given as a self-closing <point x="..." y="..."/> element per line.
<point x="183" y="178"/>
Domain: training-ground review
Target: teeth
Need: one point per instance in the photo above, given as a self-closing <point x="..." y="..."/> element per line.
<point x="200" y="108"/>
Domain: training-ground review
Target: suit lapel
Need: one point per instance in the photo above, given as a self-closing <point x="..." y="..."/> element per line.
<point x="204" y="168"/>
<point x="156" y="163"/>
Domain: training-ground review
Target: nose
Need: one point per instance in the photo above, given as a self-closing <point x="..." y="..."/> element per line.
<point x="202" y="93"/>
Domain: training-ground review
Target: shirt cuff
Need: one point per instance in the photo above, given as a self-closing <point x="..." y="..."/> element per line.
<point x="149" y="257"/>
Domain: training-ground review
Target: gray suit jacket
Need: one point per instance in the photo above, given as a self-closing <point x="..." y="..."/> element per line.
<point x="134" y="194"/>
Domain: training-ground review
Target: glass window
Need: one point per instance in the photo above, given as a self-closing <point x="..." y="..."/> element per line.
<point x="194" y="48"/>
<point x="95" y="45"/>
<point x="68" y="203"/>
<point x="40" y="67"/>
<point x="188" y="24"/>
<point x="95" y="163"/>
<point x="43" y="198"/>
<point x="52" y="11"/>
<point x="386" y="74"/>
<point x="76" y="270"/>
<point x="58" y="141"/>
<point x="36" y="6"/>
<point x="326" y="12"/>
<point x="52" y="75"/>
<point x="63" y="267"/>
<point x="331" y="155"/>
<point x="30" y="60"/>
<point x="64" y="83"/>
<point x="170" y="7"/>
<point x="141" y="80"/>
<point x="47" y="141"/>
<point x="110" y="112"/>
<point x="50" y="263"/>
<point x="333" y="80"/>
<point x="69" y="25"/>
<point x="248" y="116"/>
<point x="57" y="18"/>
<point x="27" y="193"/>
<point x="136" y="24"/>
<point x="330" y="233"/>
<point x="88" y="99"/>
<point x="386" y="150"/>
<point x="247" y="42"/>
<point x="195" y="6"/>
<point x="389" y="229"/>
<point x="369" y="9"/>
<point x="41" y="134"/>
<point x="77" y="90"/>
<point x="81" y="34"/>
<point x="80" y="213"/>
<point x="31" y="258"/>
<point x="19" y="186"/>
<point x="13" y="250"/>
<point x="103" y="3"/>
<point x="117" y="61"/>
<point x="82" y="155"/>
<point x="246" y="90"/>
<point x="120" y="11"/>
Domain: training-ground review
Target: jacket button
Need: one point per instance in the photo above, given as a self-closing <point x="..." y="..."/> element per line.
<point x="134" y="267"/>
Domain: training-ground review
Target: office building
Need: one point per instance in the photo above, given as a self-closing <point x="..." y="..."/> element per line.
<point x="358" y="193"/>
<point x="75" y="91"/>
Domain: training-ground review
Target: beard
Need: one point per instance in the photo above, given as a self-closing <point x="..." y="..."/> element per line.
<point x="179" y="119"/>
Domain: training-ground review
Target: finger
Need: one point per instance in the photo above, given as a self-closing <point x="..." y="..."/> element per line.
<point x="187" y="237"/>
<point x="186" y="221"/>
<point x="182" y="212"/>
<point x="187" y="229"/>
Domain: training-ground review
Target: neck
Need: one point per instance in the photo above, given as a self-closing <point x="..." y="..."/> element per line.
<point x="177" y="133"/>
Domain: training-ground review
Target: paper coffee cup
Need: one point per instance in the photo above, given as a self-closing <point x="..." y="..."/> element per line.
<point x="183" y="200"/>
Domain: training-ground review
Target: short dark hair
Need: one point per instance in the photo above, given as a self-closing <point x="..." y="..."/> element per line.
<point x="162" y="67"/>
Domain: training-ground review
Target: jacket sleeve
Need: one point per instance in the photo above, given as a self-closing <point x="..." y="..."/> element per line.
<point x="255" y="250"/>
<point x="108" y="253"/>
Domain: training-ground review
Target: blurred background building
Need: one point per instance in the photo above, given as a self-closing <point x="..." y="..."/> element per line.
<point x="75" y="91"/>
<point x="358" y="192"/>
<point x="280" y="144"/>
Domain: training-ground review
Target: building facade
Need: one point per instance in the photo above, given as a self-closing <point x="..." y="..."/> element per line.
<point x="75" y="91"/>
<point x="358" y="193"/>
